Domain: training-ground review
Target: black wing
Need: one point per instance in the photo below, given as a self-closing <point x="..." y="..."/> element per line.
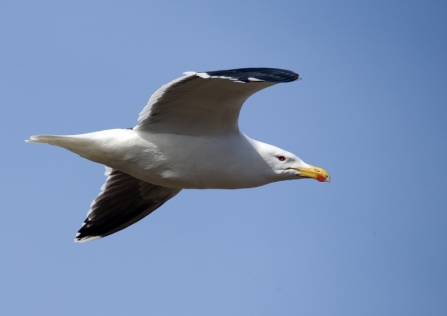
<point x="124" y="200"/>
<point x="256" y="74"/>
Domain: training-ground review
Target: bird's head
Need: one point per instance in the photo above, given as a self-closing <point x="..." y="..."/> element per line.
<point x="288" y="166"/>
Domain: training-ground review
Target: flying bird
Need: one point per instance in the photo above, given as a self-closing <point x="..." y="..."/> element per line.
<point x="187" y="137"/>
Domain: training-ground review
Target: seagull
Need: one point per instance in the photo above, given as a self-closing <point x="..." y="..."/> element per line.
<point x="187" y="137"/>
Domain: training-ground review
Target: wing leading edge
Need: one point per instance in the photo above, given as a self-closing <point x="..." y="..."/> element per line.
<point x="204" y="103"/>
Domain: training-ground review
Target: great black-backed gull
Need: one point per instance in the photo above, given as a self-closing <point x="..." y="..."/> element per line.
<point x="187" y="137"/>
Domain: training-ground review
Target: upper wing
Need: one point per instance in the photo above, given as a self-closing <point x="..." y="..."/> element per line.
<point x="124" y="200"/>
<point x="206" y="102"/>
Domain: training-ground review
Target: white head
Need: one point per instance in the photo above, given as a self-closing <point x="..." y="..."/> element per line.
<point x="287" y="166"/>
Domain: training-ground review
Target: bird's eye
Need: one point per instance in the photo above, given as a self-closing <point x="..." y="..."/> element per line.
<point x="281" y="158"/>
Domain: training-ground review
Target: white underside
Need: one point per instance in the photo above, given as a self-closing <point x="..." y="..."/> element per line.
<point x="179" y="161"/>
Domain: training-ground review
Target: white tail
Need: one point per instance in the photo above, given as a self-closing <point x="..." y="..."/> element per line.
<point x="46" y="139"/>
<point x="76" y="143"/>
<point x="93" y="146"/>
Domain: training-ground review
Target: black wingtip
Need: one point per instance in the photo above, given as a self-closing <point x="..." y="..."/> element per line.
<point x="80" y="237"/>
<point x="256" y="74"/>
<point x="85" y="233"/>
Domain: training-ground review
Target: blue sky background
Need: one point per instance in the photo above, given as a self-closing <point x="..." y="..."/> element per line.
<point x="371" y="109"/>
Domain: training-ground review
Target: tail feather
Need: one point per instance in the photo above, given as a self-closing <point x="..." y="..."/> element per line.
<point x="45" y="139"/>
<point x="75" y="143"/>
<point x="85" y="145"/>
<point x="93" y="146"/>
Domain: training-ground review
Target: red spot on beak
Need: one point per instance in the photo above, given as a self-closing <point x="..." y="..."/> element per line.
<point x="320" y="178"/>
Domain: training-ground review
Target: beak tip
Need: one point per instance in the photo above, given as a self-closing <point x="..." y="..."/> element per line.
<point x="322" y="178"/>
<point x="325" y="178"/>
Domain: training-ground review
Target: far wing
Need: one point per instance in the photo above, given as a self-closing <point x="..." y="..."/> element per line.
<point x="206" y="103"/>
<point x="124" y="200"/>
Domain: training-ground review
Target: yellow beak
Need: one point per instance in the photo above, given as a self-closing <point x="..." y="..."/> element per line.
<point x="316" y="173"/>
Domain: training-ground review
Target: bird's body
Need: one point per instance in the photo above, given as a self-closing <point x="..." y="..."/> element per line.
<point x="187" y="138"/>
<point x="177" y="161"/>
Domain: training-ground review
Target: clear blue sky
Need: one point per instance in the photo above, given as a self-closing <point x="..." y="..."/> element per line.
<point x="371" y="109"/>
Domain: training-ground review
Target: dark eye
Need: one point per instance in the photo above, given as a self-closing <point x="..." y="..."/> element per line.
<point x="281" y="158"/>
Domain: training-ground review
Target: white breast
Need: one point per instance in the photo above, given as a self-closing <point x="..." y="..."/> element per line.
<point x="225" y="162"/>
